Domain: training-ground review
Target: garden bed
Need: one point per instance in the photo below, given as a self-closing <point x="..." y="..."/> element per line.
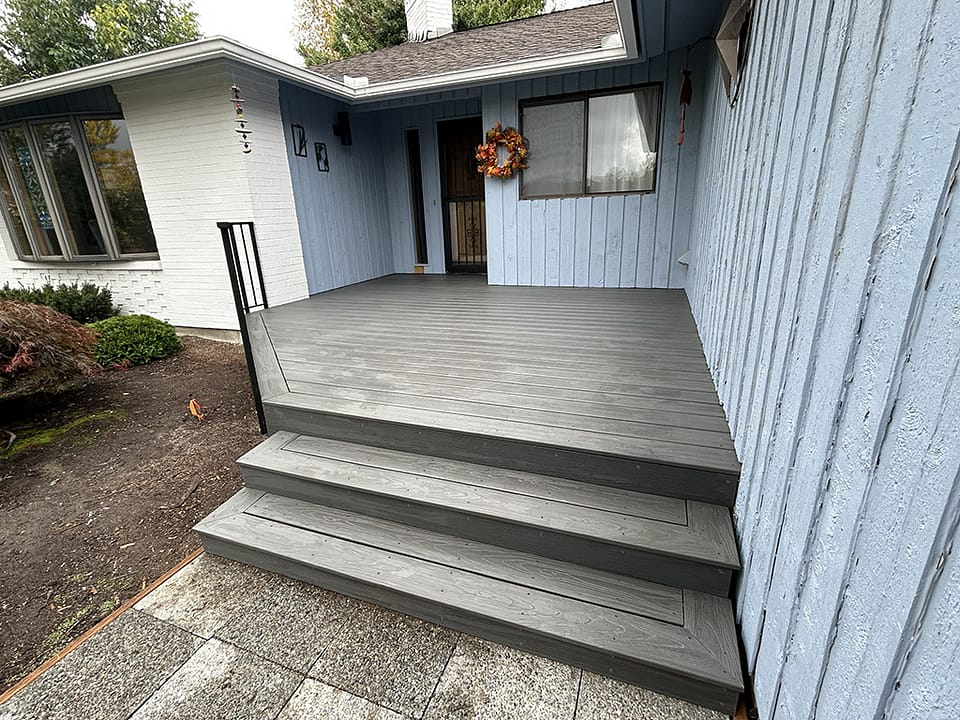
<point x="99" y="494"/>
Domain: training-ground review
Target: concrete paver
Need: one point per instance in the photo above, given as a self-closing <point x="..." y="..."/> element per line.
<point x="108" y="676"/>
<point x="486" y="681"/>
<point x="223" y="640"/>
<point x="222" y="681"/>
<point x="391" y="659"/>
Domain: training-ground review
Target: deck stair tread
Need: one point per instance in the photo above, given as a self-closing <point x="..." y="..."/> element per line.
<point x="680" y="638"/>
<point x="506" y="423"/>
<point x="667" y="526"/>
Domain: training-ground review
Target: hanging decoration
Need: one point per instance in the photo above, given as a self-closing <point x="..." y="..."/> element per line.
<point x="241" y="129"/>
<point x="686" y="97"/>
<point x="488" y="161"/>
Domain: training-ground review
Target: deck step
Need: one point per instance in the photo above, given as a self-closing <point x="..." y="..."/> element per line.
<point x="679" y="642"/>
<point x="666" y="540"/>
<point x="614" y="453"/>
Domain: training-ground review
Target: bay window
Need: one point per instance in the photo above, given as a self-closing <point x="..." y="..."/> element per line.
<point x="592" y="144"/>
<point x="71" y="191"/>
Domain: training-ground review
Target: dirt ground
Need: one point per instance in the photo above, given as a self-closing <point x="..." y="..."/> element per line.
<point x="107" y="506"/>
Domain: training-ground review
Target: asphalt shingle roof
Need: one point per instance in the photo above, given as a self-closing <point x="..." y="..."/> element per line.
<point x="540" y="36"/>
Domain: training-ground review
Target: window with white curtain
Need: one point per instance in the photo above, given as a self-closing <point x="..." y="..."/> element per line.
<point x="601" y="143"/>
<point x="71" y="191"/>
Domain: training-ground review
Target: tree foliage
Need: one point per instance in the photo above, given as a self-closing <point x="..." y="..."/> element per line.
<point x="328" y="30"/>
<point x="476" y="13"/>
<point x="42" y="37"/>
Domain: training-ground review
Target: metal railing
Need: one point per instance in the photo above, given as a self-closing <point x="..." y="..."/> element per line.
<point x="249" y="291"/>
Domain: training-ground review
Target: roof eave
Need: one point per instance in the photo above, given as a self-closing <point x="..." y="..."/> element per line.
<point x="220" y="48"/>
<point x="630" y="29"/>
<point x="217" y="48"/>
<point x="517" y="70"/>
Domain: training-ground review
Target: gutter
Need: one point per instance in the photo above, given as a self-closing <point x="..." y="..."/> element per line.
<point x="221" y="48"/>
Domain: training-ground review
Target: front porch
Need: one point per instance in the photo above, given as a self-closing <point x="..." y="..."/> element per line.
<point x="549" y="468"/>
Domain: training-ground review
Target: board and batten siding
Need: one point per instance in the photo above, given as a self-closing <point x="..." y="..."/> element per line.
<point x="396" y="118"/>
<point x="194" y="175"/>
<point x="825" y="280"/>
<point x="343" y="214"/>
<point x="633" y="240"/>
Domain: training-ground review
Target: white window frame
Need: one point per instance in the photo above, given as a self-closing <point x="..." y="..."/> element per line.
<point x="54" y="206"/>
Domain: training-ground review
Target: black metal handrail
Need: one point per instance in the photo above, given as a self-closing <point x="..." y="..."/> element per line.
<point x="249" y="291"/>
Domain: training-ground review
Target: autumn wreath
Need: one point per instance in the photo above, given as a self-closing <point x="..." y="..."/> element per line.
<point x="487" y="160"/>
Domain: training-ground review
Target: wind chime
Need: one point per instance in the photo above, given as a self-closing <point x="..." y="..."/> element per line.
<point x="241" y="129"/>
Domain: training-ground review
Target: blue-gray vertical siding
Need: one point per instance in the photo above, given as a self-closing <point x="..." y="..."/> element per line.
<point x="825" y="280"/>
<point x="612" y="241"/>
<point x="421" y="114"/>
<point x="344" y="220"/>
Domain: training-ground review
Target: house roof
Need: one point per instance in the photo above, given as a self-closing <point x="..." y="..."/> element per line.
<point x="542" y="36"/>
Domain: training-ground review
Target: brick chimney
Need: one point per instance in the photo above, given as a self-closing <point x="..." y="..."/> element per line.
<point x="427" y="19"/>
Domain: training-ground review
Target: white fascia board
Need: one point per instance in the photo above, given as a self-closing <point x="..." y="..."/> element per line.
<point x="494" y="74"/>
<point x="225" y="49"/>
<point x="625" y="18"/>
<point x="217" y="48"/>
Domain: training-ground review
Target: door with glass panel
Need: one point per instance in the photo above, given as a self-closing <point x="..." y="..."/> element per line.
<point x="464" y="215"/>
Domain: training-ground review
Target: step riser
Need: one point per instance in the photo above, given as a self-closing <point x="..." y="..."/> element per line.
<point x="624" y="669"/>
<point x="626" y="473"/>
<point x="647" y="565"/>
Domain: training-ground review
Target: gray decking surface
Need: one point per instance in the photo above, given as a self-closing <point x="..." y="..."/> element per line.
<point x="618" y="372"/>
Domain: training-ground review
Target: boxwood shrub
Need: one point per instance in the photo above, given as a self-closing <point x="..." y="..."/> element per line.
<point x="85" y="303"/>
<point x="133" y="340"/>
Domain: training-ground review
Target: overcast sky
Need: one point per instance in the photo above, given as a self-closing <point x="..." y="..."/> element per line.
<point x="268" y="26"/>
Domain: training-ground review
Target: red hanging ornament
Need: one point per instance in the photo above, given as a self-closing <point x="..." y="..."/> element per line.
<point x="686" y="96"/>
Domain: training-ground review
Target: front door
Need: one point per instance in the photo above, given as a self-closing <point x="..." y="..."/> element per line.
<point x="464" y="218"/>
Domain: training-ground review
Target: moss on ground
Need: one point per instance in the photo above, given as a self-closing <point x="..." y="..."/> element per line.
<point x="34" y="436"/>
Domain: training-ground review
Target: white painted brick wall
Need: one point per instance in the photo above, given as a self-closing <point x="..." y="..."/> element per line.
<point x="194" y="175"/>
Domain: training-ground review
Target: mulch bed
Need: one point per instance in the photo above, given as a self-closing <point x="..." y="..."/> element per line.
<point x="89" y="519"/>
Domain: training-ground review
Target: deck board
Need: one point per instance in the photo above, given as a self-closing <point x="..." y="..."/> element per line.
<point x="611" y="372"/>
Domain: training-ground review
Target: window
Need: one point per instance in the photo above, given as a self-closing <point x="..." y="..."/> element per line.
<point x="592" y="144"/>
<point x="71" y="191"/>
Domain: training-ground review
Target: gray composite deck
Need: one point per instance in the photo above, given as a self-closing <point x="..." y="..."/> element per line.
<point x="548" y="468"/>
<point x="608" y="386"/>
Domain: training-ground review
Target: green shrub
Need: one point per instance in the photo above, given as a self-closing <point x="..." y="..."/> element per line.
<point x="85" y="303"/>
<point x="133" y="340"/>
<point x="41" y="351"/>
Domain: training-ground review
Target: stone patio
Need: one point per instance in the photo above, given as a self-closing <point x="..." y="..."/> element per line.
<point x="224" y="641"/>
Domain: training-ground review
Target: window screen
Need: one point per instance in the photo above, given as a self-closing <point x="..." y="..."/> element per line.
<point x="554" y="134"/>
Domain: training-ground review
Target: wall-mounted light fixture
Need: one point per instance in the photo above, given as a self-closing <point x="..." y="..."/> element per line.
<point x="342" y="128"/>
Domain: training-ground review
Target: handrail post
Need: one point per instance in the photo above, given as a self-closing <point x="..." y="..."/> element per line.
<point x="230" y="251"/>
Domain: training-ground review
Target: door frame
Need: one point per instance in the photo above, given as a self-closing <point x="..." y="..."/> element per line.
<point x="478" y="268"/>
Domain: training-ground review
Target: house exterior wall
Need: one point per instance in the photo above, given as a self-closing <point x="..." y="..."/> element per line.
<point x="632" y="240"/>
<point x="825" y="280"/>
<point x="395" y="118"/>
<point x="343" y="215"/>
<point x="194" y="175"/>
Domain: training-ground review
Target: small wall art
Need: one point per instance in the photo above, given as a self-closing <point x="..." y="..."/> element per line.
<point x="323" y="164"/>
<point x="299" y="140"/>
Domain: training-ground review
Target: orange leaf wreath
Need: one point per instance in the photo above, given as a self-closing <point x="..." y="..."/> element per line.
<point x="487" y="161"/>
